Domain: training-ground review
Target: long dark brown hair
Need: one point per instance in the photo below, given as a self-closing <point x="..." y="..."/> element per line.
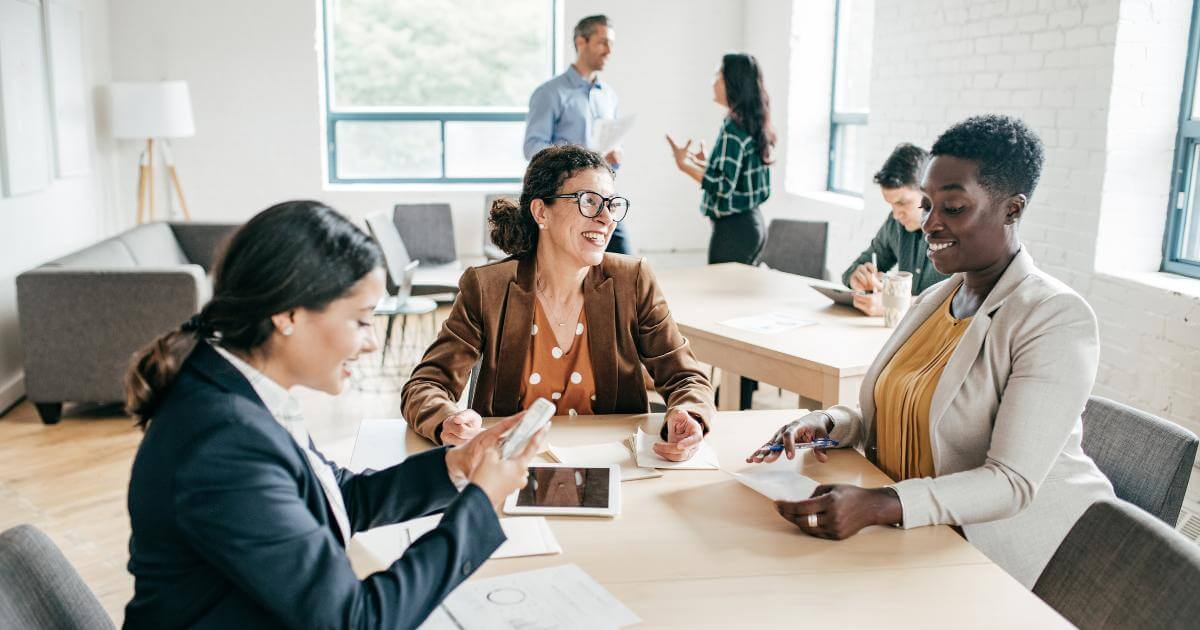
<point x="296" y="254"/>
<point x="749" y="105"/>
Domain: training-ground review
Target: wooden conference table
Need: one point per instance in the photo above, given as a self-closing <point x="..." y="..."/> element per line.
<point x="697" y="549"/>
<point x="824" y="362"/>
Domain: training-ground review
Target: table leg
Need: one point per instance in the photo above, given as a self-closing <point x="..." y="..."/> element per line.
<point x="731" y="391"/>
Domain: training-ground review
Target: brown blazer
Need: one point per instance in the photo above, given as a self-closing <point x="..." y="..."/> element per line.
<point x="629" y="325"/>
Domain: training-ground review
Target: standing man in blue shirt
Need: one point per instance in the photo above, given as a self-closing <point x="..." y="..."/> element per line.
<point x="564" y="109"/>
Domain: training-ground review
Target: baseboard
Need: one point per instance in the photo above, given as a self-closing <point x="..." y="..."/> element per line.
<point x="12" y="392"/>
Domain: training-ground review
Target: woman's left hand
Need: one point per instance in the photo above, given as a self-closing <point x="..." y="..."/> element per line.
<point x="684" y="435"/>
<point x="839" y="511"/>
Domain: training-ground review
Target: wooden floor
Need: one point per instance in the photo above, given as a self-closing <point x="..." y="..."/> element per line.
<point x="70" y="479"/>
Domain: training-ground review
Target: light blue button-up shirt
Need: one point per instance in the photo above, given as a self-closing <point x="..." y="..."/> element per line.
<point x="564" y="109"/>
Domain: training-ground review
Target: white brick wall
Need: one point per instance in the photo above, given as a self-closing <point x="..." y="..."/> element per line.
<point x="1100" y="82"/>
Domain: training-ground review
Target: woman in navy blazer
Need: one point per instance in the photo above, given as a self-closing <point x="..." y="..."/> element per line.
<point x="237" y="520"/>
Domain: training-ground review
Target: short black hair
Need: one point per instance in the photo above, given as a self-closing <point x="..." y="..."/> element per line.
<point x="1009" y="153"/>
<point x="903" y="167"/>
<point x="588" y="25"/>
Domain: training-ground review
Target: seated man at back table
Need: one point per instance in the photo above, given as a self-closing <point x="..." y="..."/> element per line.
<point x="899" y="240"/>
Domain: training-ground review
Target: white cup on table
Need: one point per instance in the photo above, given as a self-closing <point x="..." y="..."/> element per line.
<point x="897" y="296"/>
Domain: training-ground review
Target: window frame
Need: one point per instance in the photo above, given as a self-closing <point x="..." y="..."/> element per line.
<point x="1187" y="142"/>
<point x="415" y="113"/>
<point x="838" y="119"/>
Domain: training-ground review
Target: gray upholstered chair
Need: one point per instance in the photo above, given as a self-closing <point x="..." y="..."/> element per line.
<point x="1120" y="567"/>
<point x="83" y="316"/>
<point x="427" y="233"/>
<point x="798" y="247"/>
<point x="40" y="589"/>
<point x="1147" y="459"/>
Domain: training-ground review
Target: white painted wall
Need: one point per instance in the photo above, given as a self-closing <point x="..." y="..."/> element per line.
<point x="253" y="73"/>
<point x="70" y="214"/>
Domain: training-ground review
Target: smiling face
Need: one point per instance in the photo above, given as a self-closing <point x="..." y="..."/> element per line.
<point x="568" y="235"/>
<point x="965" y="227"/>
<point x="593" y="51"/>
<point x="906" y="206"/>
<point x="324" y="344"/>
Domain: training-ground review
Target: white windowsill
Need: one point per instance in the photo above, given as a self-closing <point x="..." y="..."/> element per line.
<point x="825" y="197"/>
<point x="1174" y="283"/>
<point x="445" y="188"/>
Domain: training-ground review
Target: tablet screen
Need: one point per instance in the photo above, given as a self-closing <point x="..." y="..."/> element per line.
<point x="565" y="487"/>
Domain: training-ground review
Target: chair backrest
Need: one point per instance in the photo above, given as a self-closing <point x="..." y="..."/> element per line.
<point x="1120" y="567"/>
<point x="428" y="231"/>
<point x="40" y="589"/>
<point x="1147" y="459"/>
<point x="395" y="253"/>
<point x="405" y="285"/>
<point x="798" y="247"/>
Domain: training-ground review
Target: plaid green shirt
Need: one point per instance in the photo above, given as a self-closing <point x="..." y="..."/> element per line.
<point x="736" y="179"/>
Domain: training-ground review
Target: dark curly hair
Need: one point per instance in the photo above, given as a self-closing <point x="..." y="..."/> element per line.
<point x="748" y="103"/>
<point x="512" y="225"/>
<point x="1008" y="152"/>
<point x="903" y="167"/>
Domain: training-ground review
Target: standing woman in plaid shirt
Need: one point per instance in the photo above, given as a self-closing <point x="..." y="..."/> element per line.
<point x="735" y="177"/>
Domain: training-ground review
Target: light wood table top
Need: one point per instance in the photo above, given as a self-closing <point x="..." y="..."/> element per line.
<point x="696" y="548"/>
<point x="824" y="362"/>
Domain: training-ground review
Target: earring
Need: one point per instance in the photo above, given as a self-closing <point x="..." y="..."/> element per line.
<point x="541" y="226"/>
<point x="288" y="330"/>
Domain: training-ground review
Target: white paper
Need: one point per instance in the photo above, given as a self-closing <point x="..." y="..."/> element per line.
<point x="380" y="444"/>
<point x="704" y="459"/>
<point x="607" y="133"/>
<point x="558" y="597"/>
<point x="377" y="548"/>
<point x="778" y="483"/>
<point x="617" y="453"/>
<point x="767" y="323"/>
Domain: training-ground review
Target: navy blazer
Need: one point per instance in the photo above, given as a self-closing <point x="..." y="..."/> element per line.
<point x="231" y="527"/>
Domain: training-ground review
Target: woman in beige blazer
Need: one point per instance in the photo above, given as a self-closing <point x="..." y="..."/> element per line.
<point x="1002" y="427"/>
<point x="559" y="300"/>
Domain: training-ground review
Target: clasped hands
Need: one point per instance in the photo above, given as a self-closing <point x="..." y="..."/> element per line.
<point x="834" y="511"/>
<point x="684" y="433"/>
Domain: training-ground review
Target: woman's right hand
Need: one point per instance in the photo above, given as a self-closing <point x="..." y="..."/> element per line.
<point x="459" y="428"/>
<point x="805" y="429"/>
<point x="680" y="152"/>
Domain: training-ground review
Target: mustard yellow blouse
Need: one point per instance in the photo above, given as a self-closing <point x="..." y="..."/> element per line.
<point x="564" y="377"/>
<point x="904" y="391"/>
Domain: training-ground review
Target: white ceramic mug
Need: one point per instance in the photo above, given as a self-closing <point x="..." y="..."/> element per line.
<point x="897" y="296"/>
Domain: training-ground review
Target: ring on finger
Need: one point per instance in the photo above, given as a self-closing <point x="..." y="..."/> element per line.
<point x="812" y="521"/>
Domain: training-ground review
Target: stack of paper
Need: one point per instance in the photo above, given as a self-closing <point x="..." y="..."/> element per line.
<point x="376" y="549"/>
<point x="618" y="453"/>
<point x="380" y="444"/>
<point x="704" y="459"/>
<point x="557" y="597"/>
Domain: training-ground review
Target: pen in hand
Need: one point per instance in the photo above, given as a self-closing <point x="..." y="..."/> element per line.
<point x="817" y="443"/>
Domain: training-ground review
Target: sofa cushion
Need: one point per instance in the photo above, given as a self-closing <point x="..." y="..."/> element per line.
<point x="107" y="254"/>
<point x="154" y="245"/>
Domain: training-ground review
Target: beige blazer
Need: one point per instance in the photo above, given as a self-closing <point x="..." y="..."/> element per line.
<point x="1004" y="422"/>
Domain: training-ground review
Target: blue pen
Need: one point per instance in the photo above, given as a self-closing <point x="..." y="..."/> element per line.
<point x="817" y="443"/>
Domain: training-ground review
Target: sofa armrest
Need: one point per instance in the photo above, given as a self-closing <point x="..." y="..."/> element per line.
<point x="80" y="327"/>
<point x="203" y="243"/>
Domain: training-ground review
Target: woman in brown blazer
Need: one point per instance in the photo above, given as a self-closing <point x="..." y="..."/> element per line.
<point x="560" y="319"/>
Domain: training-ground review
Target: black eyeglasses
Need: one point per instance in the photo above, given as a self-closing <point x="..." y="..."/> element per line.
<point x="590" y="204"/>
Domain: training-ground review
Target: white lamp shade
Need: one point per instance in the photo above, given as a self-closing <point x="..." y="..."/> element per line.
<point x="151" y="110"/>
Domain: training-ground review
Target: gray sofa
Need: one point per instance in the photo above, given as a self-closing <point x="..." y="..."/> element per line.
<point x="83" y="316"/>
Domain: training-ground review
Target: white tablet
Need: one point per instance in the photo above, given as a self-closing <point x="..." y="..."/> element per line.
<point x="568" y="490"/>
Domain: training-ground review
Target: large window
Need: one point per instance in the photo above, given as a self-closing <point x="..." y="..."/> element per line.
<point x="429" y="91"/>
<point x="854" y="21"/>
<point x="1181" y="253"/>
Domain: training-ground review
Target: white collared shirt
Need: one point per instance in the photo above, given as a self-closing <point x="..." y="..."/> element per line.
<point x="286" y="411"/>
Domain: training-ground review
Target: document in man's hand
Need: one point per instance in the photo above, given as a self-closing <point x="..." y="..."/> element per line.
<point x="558" y="597"/>
<point x="607" y="133"/>
<point x="377" y="548"/>
<point x="704" y="459"/>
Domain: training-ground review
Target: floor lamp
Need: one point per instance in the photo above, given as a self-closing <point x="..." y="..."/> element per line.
<point x="149" y="112"/>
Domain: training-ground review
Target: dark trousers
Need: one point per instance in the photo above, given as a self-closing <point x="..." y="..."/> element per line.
<point x="620" y="243"/>
<point x="739" y="238"/>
